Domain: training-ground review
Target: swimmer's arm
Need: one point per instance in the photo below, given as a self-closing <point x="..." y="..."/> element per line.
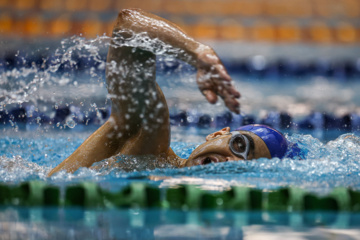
<point x="139" y="21"/>
<point x="212" y="77"/>
<point x="100" y="145"/>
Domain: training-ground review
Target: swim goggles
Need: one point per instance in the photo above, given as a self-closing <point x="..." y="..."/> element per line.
<point x="240" y="144"/>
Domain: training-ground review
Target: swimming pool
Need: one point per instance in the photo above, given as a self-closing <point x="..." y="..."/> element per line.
<point x="326" y="167"/>
<point x="64" y="105"/>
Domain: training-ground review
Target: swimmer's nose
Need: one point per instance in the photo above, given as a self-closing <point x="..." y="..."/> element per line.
<point x="232" y="159"/>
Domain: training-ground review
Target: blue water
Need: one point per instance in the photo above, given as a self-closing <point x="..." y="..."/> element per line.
<point x="75" y="223"/>
<point x="28" y="156"/>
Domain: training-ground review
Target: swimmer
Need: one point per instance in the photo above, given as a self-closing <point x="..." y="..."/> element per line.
<point x="139" y="124"/>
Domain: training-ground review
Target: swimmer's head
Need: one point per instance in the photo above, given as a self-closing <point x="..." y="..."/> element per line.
<point x="274" y="140"/>
<point x="245" y="143"/>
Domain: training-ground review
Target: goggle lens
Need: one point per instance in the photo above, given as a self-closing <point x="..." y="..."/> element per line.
<point x="240" y="145"/>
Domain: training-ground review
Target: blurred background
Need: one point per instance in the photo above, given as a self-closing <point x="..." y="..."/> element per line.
<point x="305" y="55"/>
<point x="320" y="22"/>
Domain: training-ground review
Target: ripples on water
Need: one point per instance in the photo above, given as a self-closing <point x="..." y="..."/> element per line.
<point x="326" y="166"/>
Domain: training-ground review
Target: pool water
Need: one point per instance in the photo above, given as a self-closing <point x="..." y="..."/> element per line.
<point x="324" y="167"/>
<point x="29" y="156"/>
<point x="74" y="223"/>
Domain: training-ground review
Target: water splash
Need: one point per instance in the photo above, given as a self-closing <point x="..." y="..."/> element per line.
<point x="73" y="76"/>
<point x="326" y="166"/>
<point x="22" y="83"/>
<point x="142" y="41"/>
<point x="79" y="62"/>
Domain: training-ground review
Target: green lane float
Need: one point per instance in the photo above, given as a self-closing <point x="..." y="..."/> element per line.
<point x="86" y="194"/>
<point x="192" y="197"/>
<point x="133" y="196"/>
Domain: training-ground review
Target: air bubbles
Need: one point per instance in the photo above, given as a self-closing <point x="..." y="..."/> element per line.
<point x="70" y="122"/>
<point x="38" y="119"/>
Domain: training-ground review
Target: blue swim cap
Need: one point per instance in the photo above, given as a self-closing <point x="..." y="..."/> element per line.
<point x="273" y="139"/>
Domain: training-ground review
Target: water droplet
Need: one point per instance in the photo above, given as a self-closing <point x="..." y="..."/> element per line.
<point x="70" y="122"/>
<point x="159" y="105"/>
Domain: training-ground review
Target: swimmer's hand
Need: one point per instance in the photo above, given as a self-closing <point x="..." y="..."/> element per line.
<point x="212" y="77"/>
<point x="213" y="80"/>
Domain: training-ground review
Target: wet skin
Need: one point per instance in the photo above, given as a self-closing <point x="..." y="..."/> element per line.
<point x="139" y="124"/>
<point x="216" y="149"/>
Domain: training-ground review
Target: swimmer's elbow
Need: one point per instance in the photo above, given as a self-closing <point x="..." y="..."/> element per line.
<point x="129" y="12"/>
<point x="127" y="17"/>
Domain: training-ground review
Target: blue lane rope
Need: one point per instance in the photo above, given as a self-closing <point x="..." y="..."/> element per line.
<point x="24" y="116"/>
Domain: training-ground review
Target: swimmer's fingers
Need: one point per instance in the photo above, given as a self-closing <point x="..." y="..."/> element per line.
<point x="206" y="86"/>
<point x="230" y="101"/>
<point x="215" y="82"/>
<point x="222" y="80"/>
<point x="221" y="71"/>
<point x="230" y="95"/>
<point x="227" y="88"/>
<point x="232" y="104"/>
<point x="210" y="96"/>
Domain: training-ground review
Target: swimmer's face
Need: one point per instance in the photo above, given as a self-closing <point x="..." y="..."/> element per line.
<point x="217" y="149"/>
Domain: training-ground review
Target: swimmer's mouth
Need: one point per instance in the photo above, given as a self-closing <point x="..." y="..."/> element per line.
<point x="207" y="159"/>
